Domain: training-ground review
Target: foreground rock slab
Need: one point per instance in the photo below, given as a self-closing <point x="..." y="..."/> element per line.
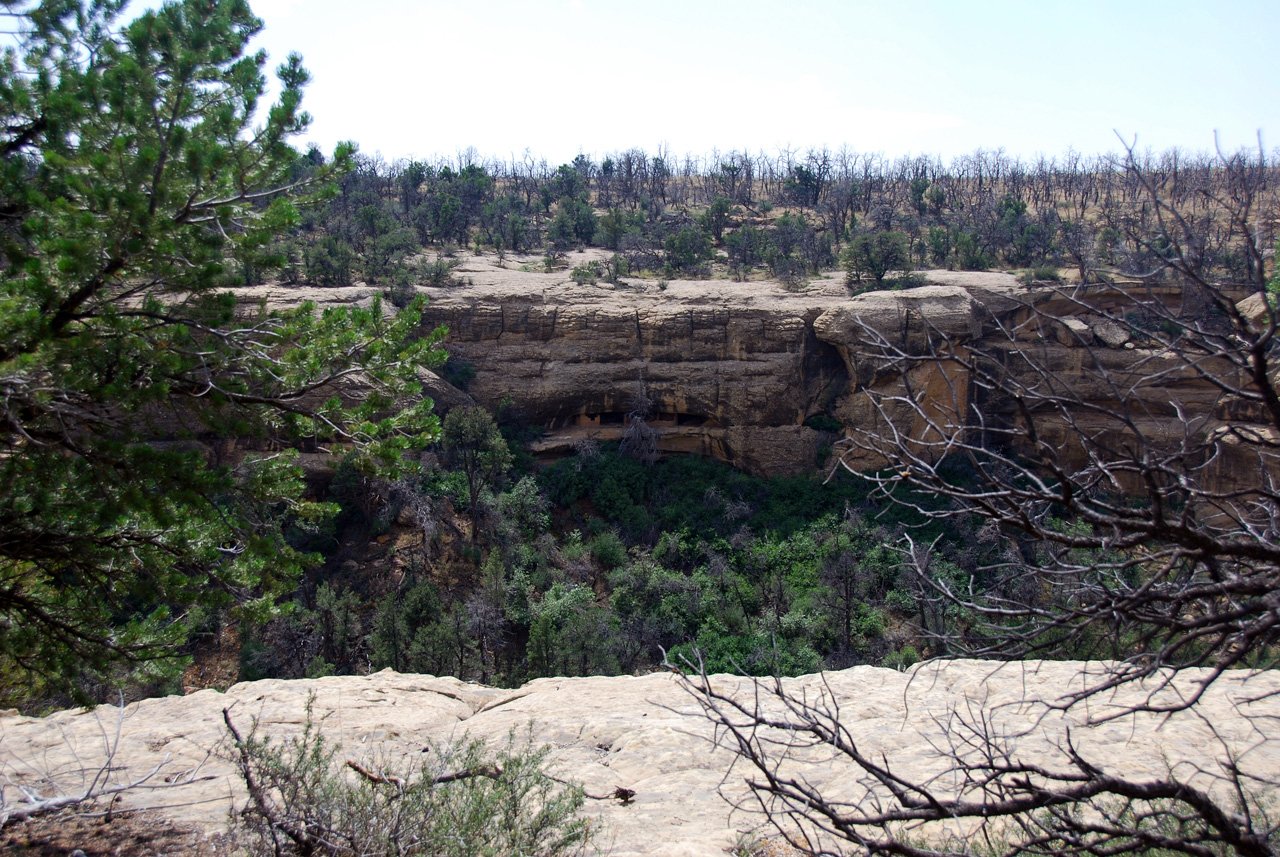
<point x="647" y="734"/>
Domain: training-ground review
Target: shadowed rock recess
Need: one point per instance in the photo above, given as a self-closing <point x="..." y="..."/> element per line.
<point x="648" y="734"/>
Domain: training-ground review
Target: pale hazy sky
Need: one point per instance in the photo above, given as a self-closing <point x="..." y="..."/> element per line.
<point x="427" y="77"/>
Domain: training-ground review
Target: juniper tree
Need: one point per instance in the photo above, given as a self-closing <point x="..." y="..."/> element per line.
<point x="474" y="442"/>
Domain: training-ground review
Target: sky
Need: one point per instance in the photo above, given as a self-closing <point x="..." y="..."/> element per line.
<point x="425" y="78"/>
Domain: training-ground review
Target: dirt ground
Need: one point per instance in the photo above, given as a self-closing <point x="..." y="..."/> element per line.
<point x="143" y="834"/>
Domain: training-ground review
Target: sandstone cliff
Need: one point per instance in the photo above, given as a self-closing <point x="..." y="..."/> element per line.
<point x="648" y="734"/>
<point x="734" y="370"/>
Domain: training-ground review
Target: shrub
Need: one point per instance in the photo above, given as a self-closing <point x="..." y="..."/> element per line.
<point x="616" y="268"/>
<point x="875" y="255"/>
<point x="969" y="255"/>
<point x="901" y="602"/>
<point x="329" y="262"/>
<point x="902" y="659"/>
<point x="938" y="243"/>
<point x="825" y="423"/>
<point x="755" y="652"/>
<point x="437" y="272"/>
<point x="459" y="803"/>
<point x="688" y="250"/>
<point x="586" y="274"/>
<point x="608" y="549"/>
<point x="458" y="372"/>
<point x="401" y="295"/>
<point x="1043" y="273"/>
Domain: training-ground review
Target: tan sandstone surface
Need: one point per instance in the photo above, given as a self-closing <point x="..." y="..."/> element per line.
<point x="648" y="734"/>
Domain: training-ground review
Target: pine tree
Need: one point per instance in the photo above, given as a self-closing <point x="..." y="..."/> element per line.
<point x="134" y="185"/>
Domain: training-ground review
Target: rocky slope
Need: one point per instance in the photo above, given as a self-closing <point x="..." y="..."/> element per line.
<point x="647" y="734"/>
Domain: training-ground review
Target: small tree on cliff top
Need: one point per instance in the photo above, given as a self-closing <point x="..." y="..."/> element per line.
<point x="130" y="174"/>
<point x="875" y="255"/>
<point x="1142" y="523"/>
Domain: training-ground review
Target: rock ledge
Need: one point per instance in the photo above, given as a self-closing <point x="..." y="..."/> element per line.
<point x="648" y="734"/>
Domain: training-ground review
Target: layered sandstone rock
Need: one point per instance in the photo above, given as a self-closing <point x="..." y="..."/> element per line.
<point x="733" y="370"/>
<point x="648" y="734"/>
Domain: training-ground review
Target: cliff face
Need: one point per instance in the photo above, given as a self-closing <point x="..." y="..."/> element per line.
<point x="733" y="370"/>
<point x="648" y="734"/>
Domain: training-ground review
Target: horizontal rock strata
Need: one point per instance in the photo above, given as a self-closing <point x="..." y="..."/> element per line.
<point x="733" y="370"/>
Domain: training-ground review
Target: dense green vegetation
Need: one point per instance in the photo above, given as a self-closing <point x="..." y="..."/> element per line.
<point x="601" y="563"/>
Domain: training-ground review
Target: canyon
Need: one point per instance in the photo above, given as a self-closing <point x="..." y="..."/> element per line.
<point x="739" y="371"/>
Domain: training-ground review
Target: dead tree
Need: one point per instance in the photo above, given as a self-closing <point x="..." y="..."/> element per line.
<point x="32" y="785"/>
<point x="1124" y="438"/>
<point x="639" y="439"/>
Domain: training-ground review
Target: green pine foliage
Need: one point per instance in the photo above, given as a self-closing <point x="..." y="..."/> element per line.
<point x="135" y="188"/>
